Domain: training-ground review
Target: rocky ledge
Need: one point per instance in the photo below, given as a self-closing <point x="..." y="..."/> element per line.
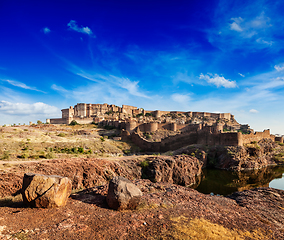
<point x="166" y="211"/>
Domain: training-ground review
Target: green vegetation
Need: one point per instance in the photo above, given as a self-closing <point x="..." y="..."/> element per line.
<point x="73" y="123"/>
<point x="6" y="155"/>
<point x="61" y="135"/>
<point x="107" y="127"/>
<point x="243" y="132"/>
<point x="149" y="115"/>
<point x="144" y="164"/>
<point x="110" y="112"/>
<point x="139" y="115"/>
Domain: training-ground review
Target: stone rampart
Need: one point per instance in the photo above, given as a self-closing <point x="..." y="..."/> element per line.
<point x="257" y="136"/>
<point x="58" y="121"/>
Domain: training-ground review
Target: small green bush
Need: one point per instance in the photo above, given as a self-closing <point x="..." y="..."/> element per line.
<point x="61" y="135"/>
<point x="6" y="155"/>
<point x="73" y="123"/>
<point x="144" y="164"/>
<point x="74" y="150"/>
<point x="102" y="139"/>
<point x="25" y="155"/>
<point x="49" y="155"/>
<point x="80" y="150"/>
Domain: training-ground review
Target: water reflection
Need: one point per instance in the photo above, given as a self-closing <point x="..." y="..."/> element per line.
<point x="226" y="182"/>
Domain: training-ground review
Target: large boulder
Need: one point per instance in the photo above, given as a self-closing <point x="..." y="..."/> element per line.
<point x="123" y="194"/>
<point x="45" y="191"/>
<point x="179" y="169"/>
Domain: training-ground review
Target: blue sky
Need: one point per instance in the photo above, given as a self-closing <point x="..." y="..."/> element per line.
<point x="214" y="56"/>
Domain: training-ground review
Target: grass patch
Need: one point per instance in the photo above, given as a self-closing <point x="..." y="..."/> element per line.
<point x="203" y="229"/>
<point x="61" y="135"/>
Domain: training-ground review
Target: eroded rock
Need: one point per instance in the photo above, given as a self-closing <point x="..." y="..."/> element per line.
<point x="45" y="191"/>
<point x="179" y="169"/>
<point x="123" y="194"/>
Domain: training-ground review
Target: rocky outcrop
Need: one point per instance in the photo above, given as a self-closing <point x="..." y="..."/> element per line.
<point x="251" y="156"/>
<point x="123" y="194"/>
<point x="45" y="191"/>
<point x="248" y="157"/>
<point x="265" y="203"/>
<point x="180" y="169"/>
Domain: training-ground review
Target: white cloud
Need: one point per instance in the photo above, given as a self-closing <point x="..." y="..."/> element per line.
<point x="248" y="28"/>
<point x="73" y="26"/>
<point x="20" y="85"/>
<point x="253" y="111"/>
<point x="279" y="67"/>
<point x="241" y="75"/>
<point x="236" y="24"/>
<point x="58" y="88"/>
<point x="218" y="80"/>
<point x="180" y="98"/>
<point x="260" y="40"/>
<point x="46" y="30"/>
<point x="27" y="109"/>
<point x="125" y="83"/>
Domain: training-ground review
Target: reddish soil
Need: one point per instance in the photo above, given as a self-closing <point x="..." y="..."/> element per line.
<point x="87" y="216"/>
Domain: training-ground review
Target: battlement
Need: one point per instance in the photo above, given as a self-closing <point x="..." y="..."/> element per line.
<point x="189" y="127"/>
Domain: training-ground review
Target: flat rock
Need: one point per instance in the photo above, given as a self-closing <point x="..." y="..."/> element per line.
<point x="45" y="191"/>
<point x="123" y="194"/>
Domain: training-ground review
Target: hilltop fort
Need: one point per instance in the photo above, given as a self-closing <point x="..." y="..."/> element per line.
<point x="165" y="130"/>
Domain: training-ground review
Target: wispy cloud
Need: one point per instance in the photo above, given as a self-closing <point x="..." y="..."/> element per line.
<point x="27" y="109"/>
<point x="245" y="26"/>
<point x="86" y="30"/>
<point x="217" y="80"/>
<point x="46" y="30"/>
<point x="242" y="75"/>
<point x="58" y="88"/>
<point x="253" y="111"/>
<point x="235" y="25"/>
<point x="279" y="67"/>
<point x="131" y="86"/>
<point x="181" y="98"/>
<point x="21" y="85"/>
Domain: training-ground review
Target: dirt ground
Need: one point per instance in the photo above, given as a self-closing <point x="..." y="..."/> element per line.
<point x="166" y="211"/>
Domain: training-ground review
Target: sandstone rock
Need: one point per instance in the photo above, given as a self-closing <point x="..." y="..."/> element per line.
<point x="45" y="191"/>
<point x="180" y="169"/>
<point x="123" y="194"/>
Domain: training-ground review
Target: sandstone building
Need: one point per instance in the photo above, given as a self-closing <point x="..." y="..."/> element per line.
<point x="185" y="127"/>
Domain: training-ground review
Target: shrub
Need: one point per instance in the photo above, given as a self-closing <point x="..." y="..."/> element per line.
<point x="25" y="155"/>
<point x="39" y="122"/>
<point x="80" y="150"/>
<point x="73" y="123"/>
<point x="144" y="164"/>
<point x="139" y="115"/>
<point x="6" y="155"/>
<point x="102" y="139"/>
<point x="49" y="155"/>
<point x="74" y="150"/>
<point x="61" y="135"/>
